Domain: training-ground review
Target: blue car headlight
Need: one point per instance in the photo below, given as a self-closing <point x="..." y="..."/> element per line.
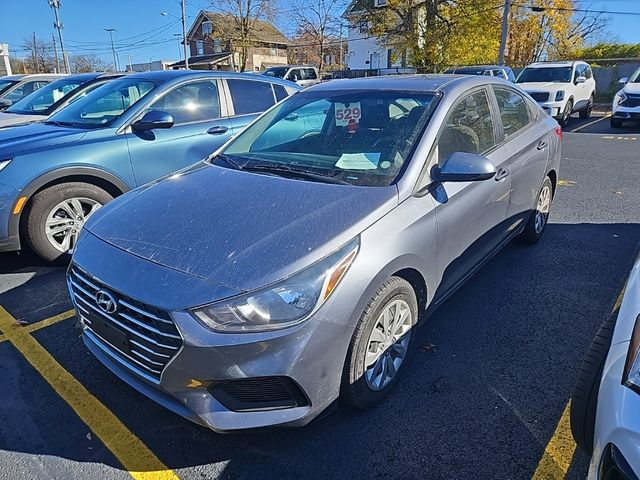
<point x="283" y="304"/>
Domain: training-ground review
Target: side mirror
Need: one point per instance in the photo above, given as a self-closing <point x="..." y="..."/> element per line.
<point x="153" y="119"/>
<point x="581" y="80"/>
<point x="464" y="167"/>
<point x="624" y="80"/>
<point x="5" y="103"/>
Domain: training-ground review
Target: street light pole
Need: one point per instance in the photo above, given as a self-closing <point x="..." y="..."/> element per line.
<point x="113" y="50"/>
<point x="183" y="20"/>
<point x="505" y="31"/>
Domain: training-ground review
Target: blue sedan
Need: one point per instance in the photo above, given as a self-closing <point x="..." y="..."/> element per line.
<point x="128" y="132"/>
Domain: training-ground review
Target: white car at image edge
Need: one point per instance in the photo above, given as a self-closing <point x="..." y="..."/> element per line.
<point x="605" y="407"/>
<point x="626" y="103"/>
<point x="561" y="88"/>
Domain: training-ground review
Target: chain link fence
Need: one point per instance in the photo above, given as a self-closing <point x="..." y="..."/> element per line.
<point x="607" y="73"/>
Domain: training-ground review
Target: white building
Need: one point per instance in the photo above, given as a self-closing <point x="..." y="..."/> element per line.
<point x="366" y="51"/>
<point x="150" y="66"/>
<point x="5" y="66"/>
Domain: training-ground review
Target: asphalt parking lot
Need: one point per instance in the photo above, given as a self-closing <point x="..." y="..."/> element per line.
<point x="484" y="397"/>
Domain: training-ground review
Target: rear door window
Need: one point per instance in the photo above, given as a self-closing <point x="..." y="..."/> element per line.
<point x="250" y="96"/>
<point x="513" y="109"/>
<point x="280" y="92"/>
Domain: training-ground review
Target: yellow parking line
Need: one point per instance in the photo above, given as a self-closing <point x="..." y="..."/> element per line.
<point x="134" y="455"/>
<point x="590" y="123"/>
<point x="558" y="454"/>
<point x="45" y="323"/>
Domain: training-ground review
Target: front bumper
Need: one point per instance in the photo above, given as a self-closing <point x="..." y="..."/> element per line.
<point x="9" y="236"/>
<point x="617" y="428"/>
<point x="309" y="356"/>
<point x="626" y="113"/>
<point x="554" y="109"/>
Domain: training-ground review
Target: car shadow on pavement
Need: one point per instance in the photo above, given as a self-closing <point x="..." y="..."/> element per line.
<point x="491" y="374"/>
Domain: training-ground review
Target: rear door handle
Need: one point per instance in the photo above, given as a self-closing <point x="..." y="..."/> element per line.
<point x="502" y="173"/>
<point x="218" y="130"/>
<point x="541" y="145"/>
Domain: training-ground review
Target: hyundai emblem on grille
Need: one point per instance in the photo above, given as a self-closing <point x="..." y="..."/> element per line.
<point x="106" y="302"/>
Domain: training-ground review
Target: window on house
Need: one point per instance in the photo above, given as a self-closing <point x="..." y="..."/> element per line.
<point x="217" y="45"/>
<point x="379" y="3"/>
<point x="199" y="47"/>
<point x="207" y="28"/>
<point x="274" y="50"/>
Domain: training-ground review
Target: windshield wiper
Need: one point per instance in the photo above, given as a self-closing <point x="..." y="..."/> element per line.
<point x="225" y="158"/>
<point x="59" y="123"/>
<point x="292" y="173"/>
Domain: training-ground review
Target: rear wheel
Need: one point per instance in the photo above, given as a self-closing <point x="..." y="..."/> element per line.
<point x="380" y="344"/>
<point x="539" y="216"/>
<point x="57" y="214"/>
<point x="585" y="393"/>
<point x="586" y="112"/>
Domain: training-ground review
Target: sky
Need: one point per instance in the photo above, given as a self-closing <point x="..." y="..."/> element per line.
<point x="146" y="35"/>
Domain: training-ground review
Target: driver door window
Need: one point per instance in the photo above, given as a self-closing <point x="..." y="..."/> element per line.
<point x="193" y="102"/>
<point x="469" y="128"/>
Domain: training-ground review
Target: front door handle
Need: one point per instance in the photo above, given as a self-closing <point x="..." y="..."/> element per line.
<point x="218" y="130"/>
<point x="501" y="173"/>
<point x="542" y="145"/>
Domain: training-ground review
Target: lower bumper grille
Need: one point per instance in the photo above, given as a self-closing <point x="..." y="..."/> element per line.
<point x="262" y="393"/>
<point x="139" y="336"/>
<point x="539" y="96"/>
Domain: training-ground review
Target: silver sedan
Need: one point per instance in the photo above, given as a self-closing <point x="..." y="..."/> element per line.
<point x="292" y="266"/>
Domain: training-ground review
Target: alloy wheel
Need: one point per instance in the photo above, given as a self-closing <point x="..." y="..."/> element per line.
<point x="388" y="344"/>
<point x="65" y="221"/>
<point x="542" y="208"/>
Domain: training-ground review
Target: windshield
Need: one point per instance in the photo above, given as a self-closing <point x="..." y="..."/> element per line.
<point x="105" y="104"/>
<point x="39" y="101"/>
<point x="5" y="84"/>
<point x="356" y="137"/>
<point x="635" y="78"/>
<point x="279" y="72"/>
<point x="545" y="75"/>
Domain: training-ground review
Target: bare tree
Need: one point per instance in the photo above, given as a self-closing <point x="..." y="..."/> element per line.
<point x="40" y="55"/>
<point x="88" y="63"/>
<point x="318" y="23"/>
<point x="243" y="15"/>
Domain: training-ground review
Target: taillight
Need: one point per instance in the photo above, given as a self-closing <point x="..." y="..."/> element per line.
<point x="559" y="132"/>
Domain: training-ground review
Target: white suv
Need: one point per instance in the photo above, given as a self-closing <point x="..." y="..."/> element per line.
<point x="626" y="104"/>
<point x="561" y="88"/>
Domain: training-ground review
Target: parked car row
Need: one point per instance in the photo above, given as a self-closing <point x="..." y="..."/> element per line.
<point x="16" y="87"/>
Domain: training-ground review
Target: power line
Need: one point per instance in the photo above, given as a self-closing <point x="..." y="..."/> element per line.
<point x="577" y="10"/>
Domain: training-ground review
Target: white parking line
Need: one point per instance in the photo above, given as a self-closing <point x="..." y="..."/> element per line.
<point x="590" y="123"/>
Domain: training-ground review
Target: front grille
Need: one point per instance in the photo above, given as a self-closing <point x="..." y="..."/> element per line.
<point x="631" y="101"/>
<point x="141" y="337"/>
<point x="540" y="96"/>
<point x="261" y="393"/>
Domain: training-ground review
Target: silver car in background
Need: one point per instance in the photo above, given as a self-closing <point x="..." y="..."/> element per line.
<point x="292" y="266"/>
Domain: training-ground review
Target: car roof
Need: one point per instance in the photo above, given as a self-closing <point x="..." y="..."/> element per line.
<point x="168" y="75"/>
<point x="12" y="77"/>
<point x="43" y="76"/>
<point x="429" y="83"/>
<point x="478" y="67"/>
<point x="564" y="63"/>
<point x="81" y="76"/>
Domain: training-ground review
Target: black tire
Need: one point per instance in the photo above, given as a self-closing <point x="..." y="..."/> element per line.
<point x="586" y="111"/>
<point x="355" y="391"/>
<point x="585" y="393"/>
<point x="531" y="234"/>
<point x="563" y="119"/>
<point x="615" y="123"/>
<point x="43" y="202"/>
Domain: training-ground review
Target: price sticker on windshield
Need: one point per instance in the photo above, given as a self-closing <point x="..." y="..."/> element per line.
<point x="347" y="113"/>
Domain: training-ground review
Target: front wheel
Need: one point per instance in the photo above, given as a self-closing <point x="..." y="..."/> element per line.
<point x="57" y="214"/>
<point x="586" y="112"/>
<point x="380" y="344"/>
<point x="566" y="114"/>
<point x="615" y="123"/>
<point x="539" y="216"/>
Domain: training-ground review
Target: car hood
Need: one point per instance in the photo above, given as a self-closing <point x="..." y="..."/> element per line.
<point x="9" y="119"/>
<point x="542" y="86"/>
<point x="239" y="229"/>
<point x="23" y="138"/>
<point x="632" y="88"/>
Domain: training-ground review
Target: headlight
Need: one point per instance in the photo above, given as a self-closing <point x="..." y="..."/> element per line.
<point x="283" y="304"/>
<point x="631" y="373"/>
<point x="559" y="95"/>
<point x="622" y="97"/>
<point x="4" y="163"/>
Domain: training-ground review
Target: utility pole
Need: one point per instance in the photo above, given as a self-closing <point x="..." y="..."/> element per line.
<point x="184" y="34"/>
<point x="34" y="53"/>
<point x="505" y="31"/>
<point x="55" y="52"/>
<point x="130" y="65"/>
<point x="116" y="67"/>
<point x="55" y="4"/>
